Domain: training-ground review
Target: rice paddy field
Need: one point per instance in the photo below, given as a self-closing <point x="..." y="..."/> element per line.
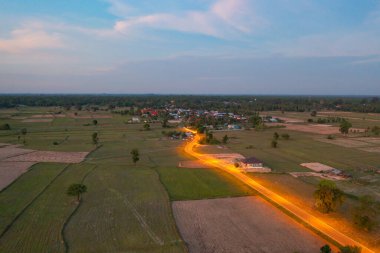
<point x="127" y="207"/>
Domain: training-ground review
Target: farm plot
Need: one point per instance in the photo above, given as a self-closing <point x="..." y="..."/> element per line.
<point x="90" y="116"/>
<point x="38" y="229"/>
<point x="192" y="164"/>
<point x="22" y="192"/>
<point x="9" y="171"/>
<point x="7" y="151"/>
<point x="15" y="161"/>
<point x="246" y="224"/>
<point x="186" y="184"/>
<point x="122" y="214"/>
<point x="348" y="143"/>
<point x="372" y="149"/>
<point x="318" y="167"/>
<point x="35" y="120"/>
<point x="312" y="128"/>
<point x="369" y="140"/>
<point x="50" y="156"/>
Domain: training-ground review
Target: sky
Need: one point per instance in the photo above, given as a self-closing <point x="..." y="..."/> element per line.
<point x="292" y="47"/>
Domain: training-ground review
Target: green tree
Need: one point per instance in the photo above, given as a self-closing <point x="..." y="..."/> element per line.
<point x="328" y="197"/>
<point x="376" y="130"/>
<point x="345" y="127"/>
<point x="76" y="190"/>
<point x="5" y="126"/>
<point x="273" y="144"/>
<point x="135" y="155"/>
<point x="350" y="249"/>
<point x="95" y="122"/>
<point x="255" y="119"/>
<point x="366" y="214"/>
<point x="276" y="136"/>
<point x="95" y="138"/>
<point x="24" y="131"/>
<point x="165" y="123"/>
<point x="225" y="139"/>
<point x="325" y="249"/>
<point x="146" y="127"/>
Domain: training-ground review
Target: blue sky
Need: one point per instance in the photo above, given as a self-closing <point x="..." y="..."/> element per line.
<point x="198" y="46"/>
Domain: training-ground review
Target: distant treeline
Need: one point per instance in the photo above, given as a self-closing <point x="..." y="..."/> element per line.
<point x="237" y="104"/>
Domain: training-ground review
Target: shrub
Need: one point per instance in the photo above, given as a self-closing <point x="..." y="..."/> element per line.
<point x="350" y="249"/>
<point x="285" y="136"/>
<point x="5" y="126"/>
<point x="376" y="130"/>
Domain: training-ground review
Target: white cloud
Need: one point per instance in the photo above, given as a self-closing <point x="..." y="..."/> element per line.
<point x="224" y="18"/>
<point x="119" y="8"/>
<point x="26" y="39"/>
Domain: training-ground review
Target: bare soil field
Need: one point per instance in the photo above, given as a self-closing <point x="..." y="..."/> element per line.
<point x="372" y="149"/>
<point x="42" y="116"/>
<point x="349" y="143"/>
<point x="49" y="156"/>
<point x="15" y="161"/>
<point x="90" y="116"/>
<point x="35" y="120"/>
<point x="212" y="149"/>
<point x="245" y="224"/>
<point x="318" y="167"/>
<point x="9" y="171"/>
<point x="290" y="120"/>
<point x="7" y="151"/>
<point x="311" y="128"/>
<point x="369" y="140"/>
<point x="18" y="117"/>
<point x="193" y="164"/>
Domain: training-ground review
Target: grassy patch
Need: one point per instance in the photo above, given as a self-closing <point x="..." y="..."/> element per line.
<point x="187" y="184"/>
<point x="18" y="195"/>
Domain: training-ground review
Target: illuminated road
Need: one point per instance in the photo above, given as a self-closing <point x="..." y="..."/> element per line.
<point x="305" y="217"/>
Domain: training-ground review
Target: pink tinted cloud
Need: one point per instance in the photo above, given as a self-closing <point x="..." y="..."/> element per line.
<point x="26" y="39"/>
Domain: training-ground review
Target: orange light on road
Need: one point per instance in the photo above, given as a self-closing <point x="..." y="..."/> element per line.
<point x="302" y="215"/>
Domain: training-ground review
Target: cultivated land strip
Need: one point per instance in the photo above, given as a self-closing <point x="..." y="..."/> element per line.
<point x="306" y="218"/>
<point x="32" y="201"/>
<point x="67" y="246"/>
<point x="144" y="225"/>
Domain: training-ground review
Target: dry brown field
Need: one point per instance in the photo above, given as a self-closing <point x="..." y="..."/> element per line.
<point x="245" y="224"/>
<point x="192" y="164"/>
<point x="14" y="161"/>
<point x="35" y="120"/>
<point x="312" y="128"/>
<point x="49" y="156"/>
<point x="10" y="171"/>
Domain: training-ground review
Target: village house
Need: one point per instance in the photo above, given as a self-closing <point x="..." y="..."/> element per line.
<point x="253" y="164"/>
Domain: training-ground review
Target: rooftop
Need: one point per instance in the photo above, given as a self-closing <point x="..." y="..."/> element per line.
<point x="250" y="160"/>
